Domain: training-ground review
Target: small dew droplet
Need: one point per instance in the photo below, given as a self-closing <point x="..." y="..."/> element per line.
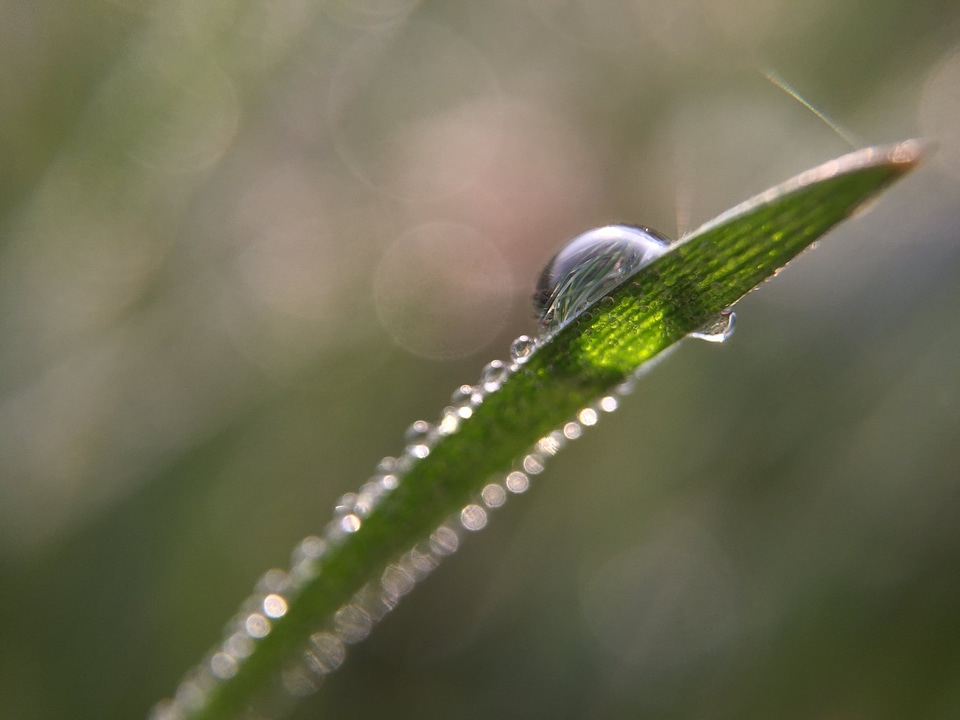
<point x="587" y="416"/>
<point x="572" y="430"/>
<point x="274" y="606"/>
<point x="350" y="523"/>
<point x="473" y="517"/>
<point x="589" y="267"/>
<point x="517" y="482"/>
<point x="239" y="645"/>
<point x="326" y="653"/>
<point x="223" y="665"/>
<point x="396" y="582"/>
<point x="493" y="495"/>
<point x="533" y="464"/>
<point x="257" y="626"/>
<point x="450" y="422"/>
<point x="444" y="541"/>
<point x="550" y="444"/>
<point x="352" y="624"/>
<point x="493" y="375"/>
<point x="522" y="348"/>
<point x="608" y="404"/>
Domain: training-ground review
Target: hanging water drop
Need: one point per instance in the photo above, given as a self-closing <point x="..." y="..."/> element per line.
<point x="718" y="329"/>
<point x="589" y="267"/>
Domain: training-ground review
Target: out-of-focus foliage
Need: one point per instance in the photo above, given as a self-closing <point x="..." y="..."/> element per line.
<point x="244" y="244"/>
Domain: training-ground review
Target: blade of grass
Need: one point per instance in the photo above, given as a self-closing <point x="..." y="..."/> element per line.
<point x="702" y="275"/>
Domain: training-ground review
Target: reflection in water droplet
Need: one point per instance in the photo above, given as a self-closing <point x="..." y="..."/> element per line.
<point x="589" y="267"/>
<point x="718" y="329"/>
<point x="473" y="517"/>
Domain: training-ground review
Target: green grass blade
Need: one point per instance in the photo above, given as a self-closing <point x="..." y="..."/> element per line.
<point x="703" y="274"/>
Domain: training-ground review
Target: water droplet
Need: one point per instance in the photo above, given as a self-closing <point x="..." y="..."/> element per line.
<point x="387" y="465"/>
<point x="533" y="464"/>
<point x="450" y="422"/>
<point x="444" y="541"/>
<point x="369" y="496"/>
<point x="166" y="710"/>
<point x="608" y="404"/>
<point x="390" y="482"/>
<point x="224" y="666"/>
<point x="571" y="431"/>
<point x="311" y="548"/>
<point x="326" y="653"/>
<point x="273" y="581"/>
<point x="420" y="437"/>
<point x="396" y="582"/>
<point x="587" y="416"/>
<point x="493" y="495"/>
<point x="345" y="504"/>
<point x="257" y="626"/>
<point x="493" y="375"/>
<point x="465" y="398"/>
<point x="517" y="482"/>
<point x="190" y="696"/>
<point x="522" y="348"/>
<point x="350" y="523"/>
<point x="352" y="624"/>
<point x="274" y="606"/>
<point x="718" y="329"/>
<point x="550" y="444"/>
<point x="297" y="682"/>
<point x="473" y="517"/>
<point x="589" y="267"/>
<point x="239" y="645"/>
<point x="418" y="564"/>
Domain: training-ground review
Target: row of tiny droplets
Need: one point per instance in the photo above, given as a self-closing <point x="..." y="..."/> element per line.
<point x="326" y="649"/>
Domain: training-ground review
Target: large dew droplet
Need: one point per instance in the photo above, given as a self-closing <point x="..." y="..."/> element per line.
<point x="589" y="267"/>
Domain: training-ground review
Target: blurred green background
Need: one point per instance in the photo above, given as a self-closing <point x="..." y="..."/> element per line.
<point x="244" y="243"/>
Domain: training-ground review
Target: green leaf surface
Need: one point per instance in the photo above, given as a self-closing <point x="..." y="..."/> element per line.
<point x="700" y="276"/>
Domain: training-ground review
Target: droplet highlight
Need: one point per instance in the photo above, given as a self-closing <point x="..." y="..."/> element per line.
<point x="589" y="267"/>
